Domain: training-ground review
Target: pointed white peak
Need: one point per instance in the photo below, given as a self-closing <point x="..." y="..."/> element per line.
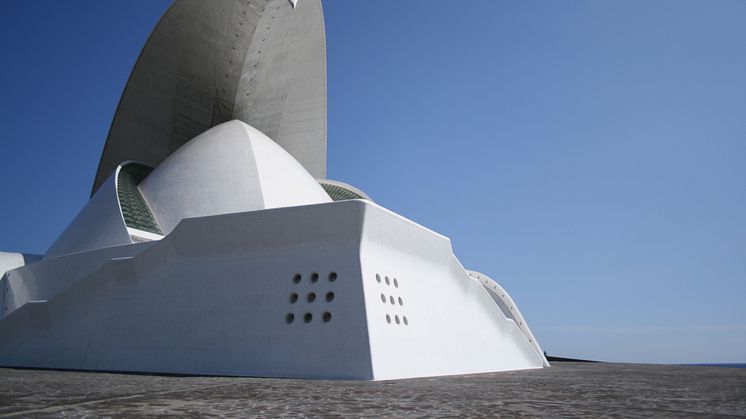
<point x="293" y="3"/>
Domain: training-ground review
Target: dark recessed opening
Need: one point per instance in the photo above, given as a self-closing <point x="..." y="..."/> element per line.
<point x="401" y="302"/>
<point x="391" y="298"/>
<point x="293" y="298"/>
<point x="307" y="318"/>
<point x="296" y="278"/>
<point x="388" y="282"/>
<point x="311" y="297"/>
<point x="290" y="318"/>
<point x="330" y="296"/>
<point x="333" y="276"/>
<point x="388" y="319"/>
<point x="378" y="278"/>
<point x="396" y="283"/>
<point x="406" y="322"/>
<point x="314" y="277"/>
<point x="396" y="318"/>
<point x="383" y="298"/>
<point x="326" y="317"/>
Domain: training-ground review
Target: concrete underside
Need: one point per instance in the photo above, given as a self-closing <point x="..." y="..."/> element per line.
<point x="210" y="61"/>
<point x="565" y="390"/>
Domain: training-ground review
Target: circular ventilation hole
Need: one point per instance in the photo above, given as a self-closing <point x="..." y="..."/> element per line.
<point x="293" y="298"/>
<point x="330" y="296"/>
<point x="401" y="302"/>
<point x="396" y="283"/>
<point x="406" y="322"/>
<point x="388" y="319"/>
<point x="397" y="319"/>
<point x="311" y="297"/>
<point x="326" y="317"/>
<point x="314" y="277"/>
<point x="332" y="276"/>
<point x="391" y="299"/>
<point x="296" y="278"/>
<point x="383" y="298"/>
<point x="387" y="281"/>
<point x="290" y="318"/>
<point x="307" y="318"/>
<point x="378" y="278"/>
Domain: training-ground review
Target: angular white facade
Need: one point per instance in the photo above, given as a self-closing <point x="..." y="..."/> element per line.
<point x="229" y="258"/>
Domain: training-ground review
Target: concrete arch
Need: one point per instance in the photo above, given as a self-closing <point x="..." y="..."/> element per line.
<point x="506" y="304"/>
<point x="210" y="61"/>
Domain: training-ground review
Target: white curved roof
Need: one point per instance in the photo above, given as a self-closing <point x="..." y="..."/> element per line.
<point x="229" y="168"/>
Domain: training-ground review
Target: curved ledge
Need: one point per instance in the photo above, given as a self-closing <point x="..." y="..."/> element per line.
<point x="508" y="307"/>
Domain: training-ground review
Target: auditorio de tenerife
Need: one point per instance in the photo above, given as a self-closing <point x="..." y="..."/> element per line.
<point x="214" y="244"/>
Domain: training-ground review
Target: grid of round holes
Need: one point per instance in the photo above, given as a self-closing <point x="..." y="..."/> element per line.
<point x="392" y="300"/>
<point x="310" y="297"/>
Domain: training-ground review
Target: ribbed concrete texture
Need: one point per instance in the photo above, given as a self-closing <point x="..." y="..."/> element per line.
<point x="565" y="390"/>
<point x="210" y="61"/>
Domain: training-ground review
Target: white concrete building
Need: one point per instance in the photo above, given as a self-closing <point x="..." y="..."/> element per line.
<point x="224" y="255"/>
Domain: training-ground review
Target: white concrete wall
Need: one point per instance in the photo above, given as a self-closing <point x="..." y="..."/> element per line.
<point x="213" y="298"/>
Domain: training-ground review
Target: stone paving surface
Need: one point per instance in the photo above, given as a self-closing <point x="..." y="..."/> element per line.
<point x="565" y="390"/>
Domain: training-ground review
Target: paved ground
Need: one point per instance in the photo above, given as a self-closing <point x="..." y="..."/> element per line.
<point x="566" y="389"/>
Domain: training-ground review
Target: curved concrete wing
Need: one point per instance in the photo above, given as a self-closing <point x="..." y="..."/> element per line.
<point x="116" y="215"/>
<point x="210" y="61"/>
<point x="99" y="224"/>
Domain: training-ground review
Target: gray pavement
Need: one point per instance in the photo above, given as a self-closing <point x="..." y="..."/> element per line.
<point x="565" y="390"/>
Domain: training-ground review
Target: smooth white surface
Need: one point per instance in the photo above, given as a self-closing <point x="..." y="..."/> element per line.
<point x="229" y="168"/>
<point x="51" y="276"/>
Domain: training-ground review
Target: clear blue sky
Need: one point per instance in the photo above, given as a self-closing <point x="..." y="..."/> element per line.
<point x="589" y="155"/>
